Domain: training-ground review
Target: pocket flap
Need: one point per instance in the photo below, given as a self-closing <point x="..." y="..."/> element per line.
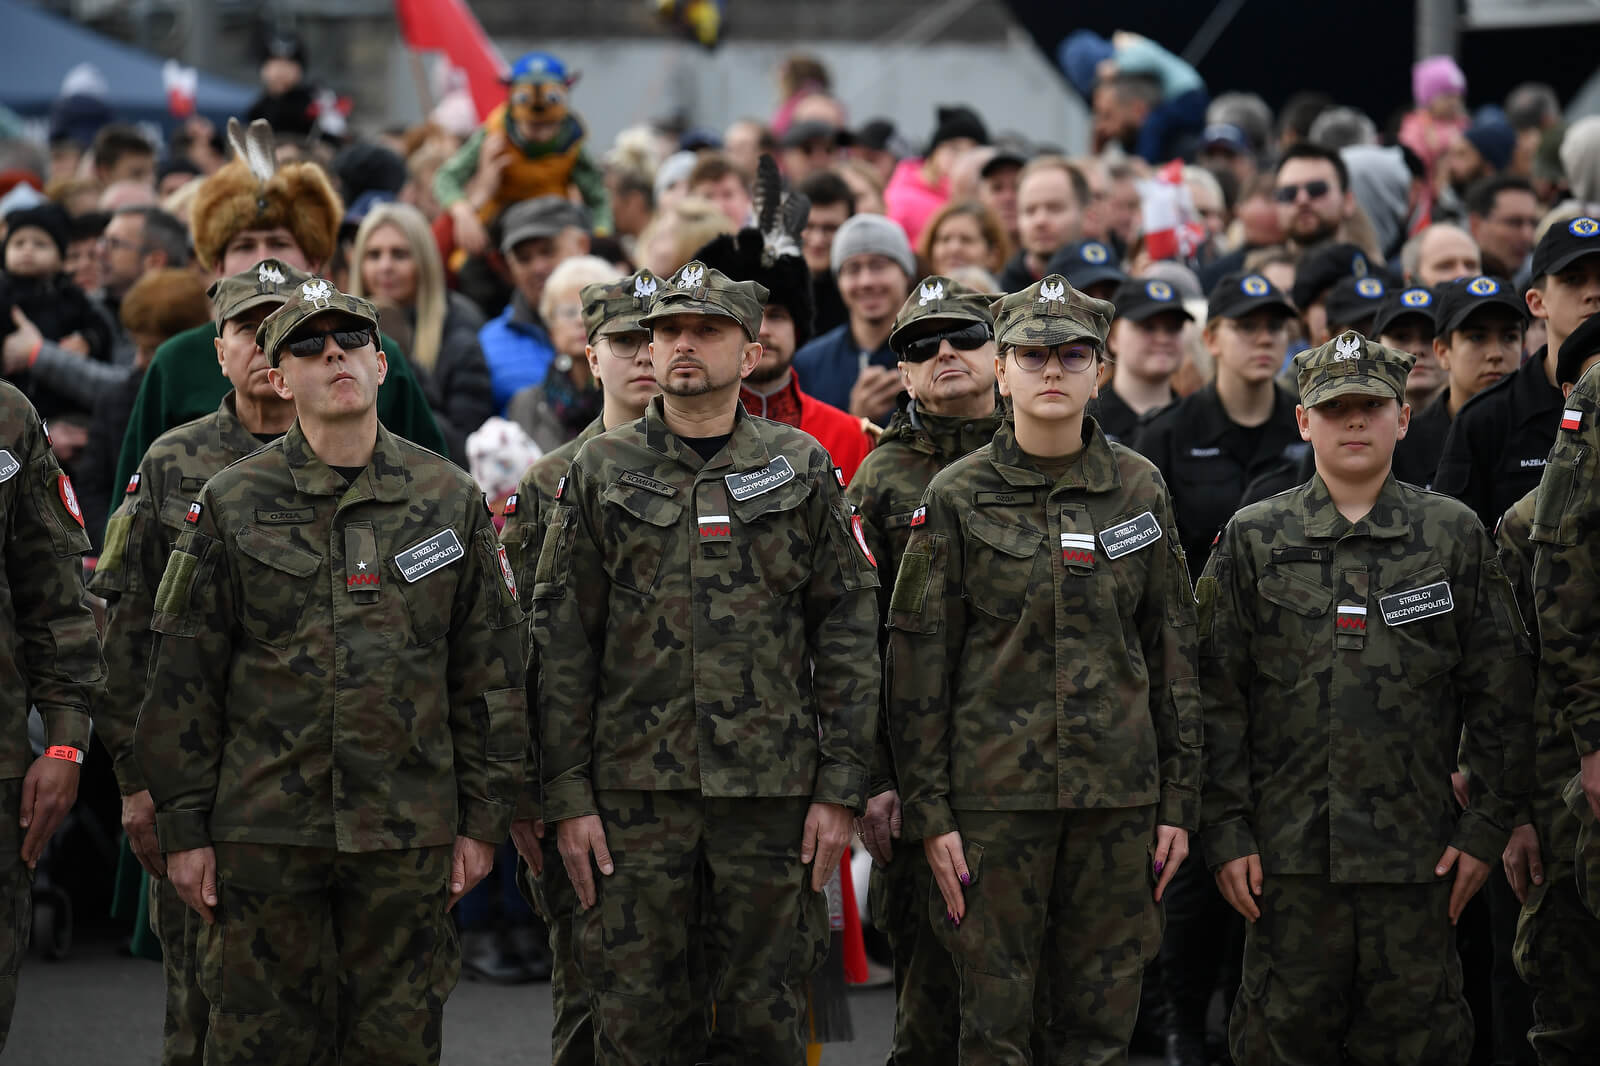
<point x="1014" y="540"/>
<point x="1298" y="594"/>
<point x="277" y="552"/>
<point x="645" y="506"/>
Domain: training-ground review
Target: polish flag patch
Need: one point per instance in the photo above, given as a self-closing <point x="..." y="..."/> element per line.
<point x="133" y="484"/>
<point x="194" y="513"/>
<point x="561" y="486"/>
<point x="1353" y="619"/>
<point x="861" y="539"/>
<point x="838" y="475"/>
<point x="511" y="505"/>
<point x="69" y="498"/>
<point x="716" y="525"/>
<point x="1572" y="420"/>
<point x="1077" y="548"/>
<point x="919" y="517"/>
<point x="505" y="571"/>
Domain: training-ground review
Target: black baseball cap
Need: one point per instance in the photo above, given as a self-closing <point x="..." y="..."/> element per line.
<point x="1321" y="267"/>
<point x="1400" y="303"/>
<point x="1141" y="299"/>
<point x="1008" y="154"/>
<point x="1460" y="300"/>
<point x="805" y="130"/>
<point x="1086" y="263"/>
<point x="1236" y="295"/>
<point x="1580" y="345"/>
<point x="1564" y="243"/>
<point x="1354" y="301"/>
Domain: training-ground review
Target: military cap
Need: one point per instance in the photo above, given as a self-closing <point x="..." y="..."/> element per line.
<point x="935" y="302"/>
<point x="1322" y="267"/>
<point x="1086" y="263"/>
<point x="1141" y="299"/>
<point x="1460" y="300"/>
<point x="697" y="289"/>
<point x="1564" y="243"/>
<point x="617" y="306"/>
<point x="270" y="281"/>
<point x="1349" y="363"/>
<point x="1399" y="303"/>
<point x="314" y="296"/>
<point x="1236" y="295"/>
<point x="1050" y="312"/>
<point x="1354" y="301"/>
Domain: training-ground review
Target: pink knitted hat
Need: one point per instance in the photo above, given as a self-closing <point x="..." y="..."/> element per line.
<point x="1436" y="76"/>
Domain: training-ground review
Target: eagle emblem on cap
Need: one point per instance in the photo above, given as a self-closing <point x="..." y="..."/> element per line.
<point x="1583" y="227"/>
<point x="1052" y="292"/>
<point x="930" y="293"/>
<point x="692" y="276"/>
<point x="267" y="274"/>
<point x="1094" y="253"/>
<point x="1371" y="288"/>
<point x="318" y="291"/>
<point x="1483" y="286"/>
<point x="1416" y="297"/>
<point x="644" y="286"/>
<point x="1255" y="285"/>
<point x="1347" y="347"/>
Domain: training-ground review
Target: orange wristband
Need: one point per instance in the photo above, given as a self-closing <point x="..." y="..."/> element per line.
<point x="64" y="752"/>
<point x="33" y="356"/>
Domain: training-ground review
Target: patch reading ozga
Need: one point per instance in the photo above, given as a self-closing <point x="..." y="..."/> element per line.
<point x="441" y="549"/>
<point x="1417" y="604"/>
<point x="1130" y="536"/>
<point x="746" y="486"/>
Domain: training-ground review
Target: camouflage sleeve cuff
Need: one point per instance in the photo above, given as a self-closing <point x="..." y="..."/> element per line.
<point x="485" y="821"/>
<point x="844" y="785"/>
<point x="1586" y="735"/>
<point x="1479" y="837"/>
<point x="1226" y="841"/>
<point x="67" y="725"/>
<point x="927" y="818"/>
<point x="565" y="799"/>
<point x="183" y="830"/>
<point x="1179" y="807"/>
<point x="130" y="779"/>
<point x="528" y="805"/>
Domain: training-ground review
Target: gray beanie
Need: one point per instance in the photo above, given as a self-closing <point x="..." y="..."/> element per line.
<point x="873" y="235"/>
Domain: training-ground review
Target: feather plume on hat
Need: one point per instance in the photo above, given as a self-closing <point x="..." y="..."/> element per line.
<point x="253" y="192"/>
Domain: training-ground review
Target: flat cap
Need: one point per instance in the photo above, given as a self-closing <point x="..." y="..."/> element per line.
<point x="697" y="289"/>
<point x="1351" y="364"/>
<point x="313" y="297"/>
<point x="1050" y="312"/>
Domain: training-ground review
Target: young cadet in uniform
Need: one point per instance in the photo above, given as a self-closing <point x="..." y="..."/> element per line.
<point x="1042" y="704"/>
<point x="1146" y="349"/>
<point x="139" y="541"/>
<point x="1479" y="324"/>
<point x="706" y="616"/>
<point x="335" y="722"/>
<point x="1498" y="443"/>
<point x="944" y="336"/>
<point x="1405" y="322"/>
<point x="619" y="358"/>
<point x="1354" y="633"/>
<point x="1542" y="539"/>
<point x="49" y="659"/>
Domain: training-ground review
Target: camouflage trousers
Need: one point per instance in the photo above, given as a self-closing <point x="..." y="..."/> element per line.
<point x="552" y="898"/>
<point x="1586" y="858"/>
<point x="299" y="928"/>
<point x="183" y="1033"/>
<point x="16" y="902"/>
<point x="1558" y="954"/>
<point x="1363" y="974"/>
<point x="927" y="991"/>
<point x="1060" y="924"/>
<point x="725" y="873"/>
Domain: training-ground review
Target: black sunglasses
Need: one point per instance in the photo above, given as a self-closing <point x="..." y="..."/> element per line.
<point x="311" y="344"/>
<point x="965" y="338"/>
<point x="1288" y="194"/>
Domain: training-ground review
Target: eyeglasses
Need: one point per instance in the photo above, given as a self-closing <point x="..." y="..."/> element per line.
<point x="1288" y="194"/>
<point x="624" y="345"/>
<point x="1074" y="358"/>
<point x="964" y="338"/>
<point x="311" y="344"/>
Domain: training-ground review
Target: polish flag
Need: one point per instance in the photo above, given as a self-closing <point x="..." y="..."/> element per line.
<point x="1172" y="226"/>
<point x="1572" y="420"/>
<point x="448" y="26"/>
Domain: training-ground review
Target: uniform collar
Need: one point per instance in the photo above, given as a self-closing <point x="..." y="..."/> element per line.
<point x="384" y="479"/>
<point x="235" y="438"/>
<point x="1387" y="520"/>
<point x="947" y="436"/>
<point x="1095" y="471"/>
<point x="745" y="449"/>
<point x="1535" y="397"/>
<point x="1209" y="421"/>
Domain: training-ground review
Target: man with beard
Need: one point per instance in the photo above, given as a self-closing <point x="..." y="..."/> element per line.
<point x="1312" y="189"/>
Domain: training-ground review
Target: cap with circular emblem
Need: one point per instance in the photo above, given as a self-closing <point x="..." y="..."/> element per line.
<point x="1236" y="295"/>
<point x="1141" y="299"/>
<point x="1415" y="302"/>
<point x="1564" y="243"/>
<point x="1460" y="300"/>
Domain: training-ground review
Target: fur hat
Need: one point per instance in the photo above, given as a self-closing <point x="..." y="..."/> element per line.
<point x="253" y="192"/>
<point x="787" y="281"/>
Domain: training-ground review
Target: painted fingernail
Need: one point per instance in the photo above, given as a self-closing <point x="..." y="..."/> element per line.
<point x="958" y="923"/>
<point x="966" y="878"/>
<point x="949" y="915"/>
<point x="1159" y="865"/>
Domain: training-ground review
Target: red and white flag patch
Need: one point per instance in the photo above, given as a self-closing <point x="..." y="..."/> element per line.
<point x="919" y="517"/>
<point x="194" y="513"/>
<point x="861" y="539"/>
<point x="1572" y="420"/>
<point x="133" y="483"/>
<point x="505" y="571"/>
<point x="838" y="475"/>
<point x="511" y="505"/>
<point x="1352" y="619"/>
<point x="69" y="498"/>
<point x="561" y="486"/>
<point x="1077" y="548"/>
<point x="715" y="527"/>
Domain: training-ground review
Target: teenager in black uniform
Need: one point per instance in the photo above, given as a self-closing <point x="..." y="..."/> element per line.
<point x="1146" y="346"/>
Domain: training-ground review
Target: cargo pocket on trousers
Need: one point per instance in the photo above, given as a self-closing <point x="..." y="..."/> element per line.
<point x="1525" y="946"/>
<point x="812" y="935"/>
<point x="969" y="943"/>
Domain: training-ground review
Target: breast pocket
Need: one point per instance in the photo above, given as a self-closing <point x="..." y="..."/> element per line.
<point x="277" y="577"/>
<point x="639" y="526"/>
<point x="999" y="560"/>
<point x="1419" y="623"/>
<point x="1293" y="626"/>
<point x="775" y="536"/>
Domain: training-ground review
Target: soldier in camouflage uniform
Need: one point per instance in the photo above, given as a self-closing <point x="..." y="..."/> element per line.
<point x="1354" y="632"/>
<point x="49" y="659"/>
<point x="1558" y="938"/>
<point x="335" y="722"/>
<point x="705" y="611"/>
<point x="619" y="358"/>
<point x="944" y="336"/>
<point x="139" y="540"/>
<point x="1042" y="702"/>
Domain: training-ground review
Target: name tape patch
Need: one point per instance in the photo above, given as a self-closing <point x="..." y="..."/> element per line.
<point x="1126" y="537"/>
<point x="439" y="550"/>
<point x="8" y="465"/>
<point x="757" y="482"/>
<point x="1003" y="499"/>
<point x="276" y="516"/>
<point x="1429" y="601"/>
<point x="649" y="484"/>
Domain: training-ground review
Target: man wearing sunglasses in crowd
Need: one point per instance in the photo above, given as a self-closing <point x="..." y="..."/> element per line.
<point x="326" y="755"/>
<point x="944" y="337"/>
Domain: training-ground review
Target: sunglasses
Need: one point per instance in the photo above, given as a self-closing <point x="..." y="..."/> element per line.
<point x="1074" y="358"/>
<point x="311" y="344"/>
<point x="1288" y="194"/>
<point x="964" y="338"/>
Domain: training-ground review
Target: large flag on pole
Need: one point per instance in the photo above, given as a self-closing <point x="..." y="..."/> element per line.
<point x="447" y="26"/>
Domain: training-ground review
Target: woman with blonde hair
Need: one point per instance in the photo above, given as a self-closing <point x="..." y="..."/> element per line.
<point x="961" y="235"/>
<point x="569" y="398"/>
<point x="677" y="232"/>
<point x="395" y="263"/>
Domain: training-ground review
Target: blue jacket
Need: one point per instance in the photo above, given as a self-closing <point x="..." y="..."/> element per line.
<point x="829" y="365"/>
<point x="517" y="349"/>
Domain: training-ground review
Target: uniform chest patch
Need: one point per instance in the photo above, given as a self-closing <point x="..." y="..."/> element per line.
<point x="439" y="550"/>
<point x="284" y="516"/>
<point x="8" y="465"/>
<point x="1127" y="537"/>
<point x="194" y="513"/>
<point x="1413" y="605"/>
<point x="1205" y="453"/>
<point x="1353" y="619"/>
<point x="1078" y="548"/>
<point x="861" y="539"/>
<point x="1572" y="420"/>
<point x="69" y="498"/>
<point x="133" y="484"/>
<point x="511" y="505"/>
<point x="505" y="571"/>
<point x="1003" y="499"/>
<point x="649" y="484"/>
<point x="716" y="527"/>
<point x="747" y="486"/>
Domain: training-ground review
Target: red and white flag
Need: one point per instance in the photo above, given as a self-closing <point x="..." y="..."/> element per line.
<point x="448" y="26"/>
<point x="1171" y="224"/>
